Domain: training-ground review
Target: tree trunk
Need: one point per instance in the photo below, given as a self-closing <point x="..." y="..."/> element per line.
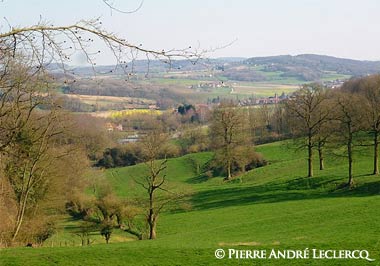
<point x="376" y="153"/>
<point x="350" y="160"/>
<point x="320" y="154"/>
<point x="151" y="217"/>
<point x="310" y="157"/>
<point x="229" y="170"/>
<point x="152" y="222"/>
<point x="17" y="227"/>
<point x="20" y="215"/>
<point x="152" y="229"/>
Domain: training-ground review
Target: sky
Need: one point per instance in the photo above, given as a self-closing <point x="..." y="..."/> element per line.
<point x="341" y="28"/>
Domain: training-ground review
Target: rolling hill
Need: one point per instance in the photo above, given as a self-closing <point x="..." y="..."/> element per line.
<point x="272" y="207"/>
<point x="305" y="67"/>
<point x="311" y="67"/>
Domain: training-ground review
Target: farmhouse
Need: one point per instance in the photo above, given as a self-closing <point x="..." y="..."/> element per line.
<point x="114" y="127"/>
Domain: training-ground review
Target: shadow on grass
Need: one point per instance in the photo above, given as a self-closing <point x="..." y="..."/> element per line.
<point x="198" y="179"/>
<point x="296" y="189"/>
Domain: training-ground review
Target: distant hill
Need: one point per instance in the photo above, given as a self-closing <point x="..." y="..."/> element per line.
<point x="295" y="69"/>
<point x="312" y="67"/>
<point x="157" y="66"/>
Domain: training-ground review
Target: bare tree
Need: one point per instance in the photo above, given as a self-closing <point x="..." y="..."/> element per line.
<point x="278" y="121"/>
<point x="371" y="93"/>
<point x="228" y="131"/>
<point x="321" y="141"/>
<point x="44" y="43"/>
<point x="29" y="161"/>
<point x="153" y="147"/>
<point x="32" y="143"/>
<point x="350" y="121"/>
<point x="307" y="113"/>
<point x="20" y="94"/>
<point x="369" y="88"/>
<point x="264" y="116"/>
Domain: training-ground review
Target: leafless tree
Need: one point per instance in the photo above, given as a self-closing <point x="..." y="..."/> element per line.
<point x="45" y="43"/>
<point x="349" y="120"/>
<point x="153" y="147"/>
<point x="371" y="93"/>
<point x="307" y="112"/>
<point x="32" y="127"/>
<point x="369" y="88"/>
<point x="228" y="131"/>
<point x="29" y="162"/>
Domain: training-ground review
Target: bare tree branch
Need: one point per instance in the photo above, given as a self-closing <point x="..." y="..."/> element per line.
<point x="112" y="7"/>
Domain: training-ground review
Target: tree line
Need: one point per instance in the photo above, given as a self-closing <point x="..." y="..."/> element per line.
<point x="347" y="117"/>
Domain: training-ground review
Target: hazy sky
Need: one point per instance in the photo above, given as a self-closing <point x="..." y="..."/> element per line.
<point x="342" y="28"/>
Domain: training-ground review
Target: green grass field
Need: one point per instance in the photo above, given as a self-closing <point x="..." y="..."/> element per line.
<point x="272" y="207"/>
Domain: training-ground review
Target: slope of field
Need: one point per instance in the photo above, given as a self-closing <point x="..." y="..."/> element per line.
<point x="273" y="207"/>
<point x="109" y="101"/>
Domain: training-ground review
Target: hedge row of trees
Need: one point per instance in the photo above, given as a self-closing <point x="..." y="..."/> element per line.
<point x="348" y="116"/>
<point x="315" y="117"/>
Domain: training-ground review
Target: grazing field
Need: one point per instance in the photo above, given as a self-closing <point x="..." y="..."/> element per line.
<point x="272" y="207"/>
<point x="127" y="112"/>
<point x="333" y="76"/>
<point x="111" y="101"/>
<point x="263" y="89"/>
<point x="231" y="89"/>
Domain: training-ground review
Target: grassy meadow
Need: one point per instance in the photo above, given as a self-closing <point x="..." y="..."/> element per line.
<point x="272" y="207"/>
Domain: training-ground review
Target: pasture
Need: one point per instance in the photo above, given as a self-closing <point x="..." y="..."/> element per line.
<point x="272" y="207"/>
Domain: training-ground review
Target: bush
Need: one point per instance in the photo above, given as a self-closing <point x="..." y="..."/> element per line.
<point x="245" y="159"/>
<point x="47" y="230"/>
<point x="257" y="160"/>
<point x="118" y="157"/>
<point x="131" y="154"/>
<point x="80" y="205"/>
<point x="106" y="230"/>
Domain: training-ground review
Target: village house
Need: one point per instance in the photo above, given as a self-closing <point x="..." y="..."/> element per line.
<point x="114" y="127"/>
